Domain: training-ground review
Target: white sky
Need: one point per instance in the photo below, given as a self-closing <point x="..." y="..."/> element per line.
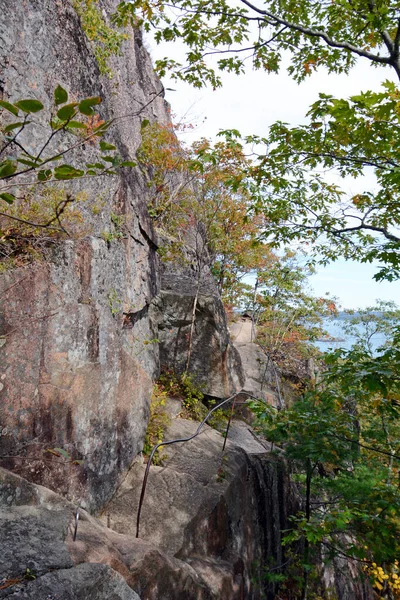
<point x="250" y="103"/>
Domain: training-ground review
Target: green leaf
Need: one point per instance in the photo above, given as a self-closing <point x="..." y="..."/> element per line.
<point x="85" y="106"/>
<point x="14" y="126"/>
<point x="67" y="111"/>
<point x="106" y="147"/>
<point x="7" y="168"/>
<point x="10" y="107"/>
<point x="67" y="172"/>
<point x="96" y="165"/>
<point x="76" y="125"/>
<point x="60" y="95"/>
<point x="103" y="127"/>
<point x="9" y="198"/>
<point x="144" y="123"/>
<point x="30" y="105"/>
<point x="28" y="163"/>
<point x="63" y="452"/>
<point x="128" y="163"/>
<point x="44" y="174"/>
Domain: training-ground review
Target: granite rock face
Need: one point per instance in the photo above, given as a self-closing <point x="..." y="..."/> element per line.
<point x="76" y="372"/>
<point x="35" y="562"/>
<point x="210" y="520"/>
<point x="262" y="379"/>
<point x="220" y="512"/>
<point x="77" y="364"/>
<point x="214" y="363"/>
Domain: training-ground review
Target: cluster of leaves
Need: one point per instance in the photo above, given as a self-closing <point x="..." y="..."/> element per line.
<point x="31" y="179"/>
<point x="159" y="420"/>
<point x="287" y="314"/>
<point x="106" y="39"/>
<point x="187" y="390"/>
<point x="385" y="580"/>
<point x="327" y="34"/>
<point x="193" y="204"/>
<point x="290" y="187"/>
<point x="342" y="439"/>
<point x="66" y="118"/>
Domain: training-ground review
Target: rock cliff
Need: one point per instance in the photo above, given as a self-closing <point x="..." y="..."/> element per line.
<point x="211" y="520"/>
<point x="75" y="372"/>
<point x="77" y="328"/>
<point x="78" y="357"/>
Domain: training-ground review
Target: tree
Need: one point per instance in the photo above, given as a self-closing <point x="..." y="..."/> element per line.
<point x="316" y="34"/>
<point x="342" y="441"/>
<point x="372" y="326"/>
<point x="351" y="136"/>
<point x="288" y="316"/>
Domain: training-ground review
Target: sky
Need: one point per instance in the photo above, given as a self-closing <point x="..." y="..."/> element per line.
<point x="250" y="103"/>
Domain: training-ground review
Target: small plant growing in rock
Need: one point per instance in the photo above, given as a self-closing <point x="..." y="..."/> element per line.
<point x="158" y="422"/>
<point x="106" y="40"/>
<point x="219" y="418"/>
<point x="185" y="388"/>
<point x="114" y="302"/>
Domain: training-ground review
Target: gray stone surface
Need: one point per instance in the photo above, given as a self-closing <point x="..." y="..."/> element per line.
<point x="220" y="513"/>
<point x="75" y="370"/>
<point x="83" y="582"/>
<point x="261" y="379"/>
<point x="215" y="363"/>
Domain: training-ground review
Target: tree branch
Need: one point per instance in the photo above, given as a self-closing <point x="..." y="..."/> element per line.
<point x="311" y="32"/>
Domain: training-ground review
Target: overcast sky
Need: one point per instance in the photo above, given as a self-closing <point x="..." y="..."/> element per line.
<point x="250" y="103"/>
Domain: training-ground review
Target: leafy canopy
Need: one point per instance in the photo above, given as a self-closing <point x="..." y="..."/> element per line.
<point x="331" y="34"/>
<point x="353" y="137"/>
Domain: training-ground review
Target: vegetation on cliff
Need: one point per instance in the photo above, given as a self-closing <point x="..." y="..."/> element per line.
<point x="342" y="435"/>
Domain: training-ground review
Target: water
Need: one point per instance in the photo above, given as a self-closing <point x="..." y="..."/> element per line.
<point x="344" y="340"/>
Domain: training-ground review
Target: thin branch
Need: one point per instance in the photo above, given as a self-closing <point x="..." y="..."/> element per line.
<point x="83" y="141"/>
<point x="254" y="48"/>
<point x="351" y="159"/>
<point x="15" y="137"/>
<point x="59" y="210"/>
<point x="341" y="553"/>
<point x="309" y="31"/>
<point x="346" y="439"/>
<point x="363" y="226"/>
<point x="26" y="222"/>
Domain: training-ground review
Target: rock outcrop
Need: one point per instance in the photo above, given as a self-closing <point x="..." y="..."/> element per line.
<point x="76" y="372"/>
<point x="77" y="330"/>
<point x="262" y="379"/>
<point x="215" y="363"/>
<point x="210" y="522"/>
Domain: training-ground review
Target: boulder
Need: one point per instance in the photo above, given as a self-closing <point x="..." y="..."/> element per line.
<point x="215" y="363"/>
<point x="221" y="513"/>
<point x="262" y="379"/>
